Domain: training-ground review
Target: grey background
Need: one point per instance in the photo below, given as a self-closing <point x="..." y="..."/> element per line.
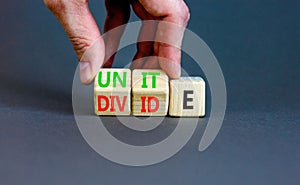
<point x="257" y="45"/>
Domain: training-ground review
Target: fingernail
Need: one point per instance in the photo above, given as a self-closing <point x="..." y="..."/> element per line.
<point x="86" y="75"/>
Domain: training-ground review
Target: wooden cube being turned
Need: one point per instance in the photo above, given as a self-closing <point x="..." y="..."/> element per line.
<point x="112" y="92"/>
<point x="150" y="93"/>
<point x="187" y="97"/>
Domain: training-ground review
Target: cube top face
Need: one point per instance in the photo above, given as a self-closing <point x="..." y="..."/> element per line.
<point x="150" y="93"/>
<point x="188" y="80"/>
<point x="146" y="81"/>
<point x="113" y="80"/>
<point x="187" y="97"/>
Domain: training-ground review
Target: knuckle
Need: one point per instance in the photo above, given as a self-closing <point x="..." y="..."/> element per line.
<point x="188" y="15"/>
<point x="181" y="14"/>
<point x="80" y="45"/>
<point x="185" y="15"/>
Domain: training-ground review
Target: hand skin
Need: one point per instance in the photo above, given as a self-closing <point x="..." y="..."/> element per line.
<point x="83" y="32"/>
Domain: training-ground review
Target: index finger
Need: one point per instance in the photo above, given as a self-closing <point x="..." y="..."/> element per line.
<point x="174" y="16"/>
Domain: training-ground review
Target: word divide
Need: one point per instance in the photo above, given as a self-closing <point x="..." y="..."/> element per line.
<point x="147" y="93"/>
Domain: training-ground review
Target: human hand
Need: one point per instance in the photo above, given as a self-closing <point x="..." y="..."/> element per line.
<point x="83" y="32"/>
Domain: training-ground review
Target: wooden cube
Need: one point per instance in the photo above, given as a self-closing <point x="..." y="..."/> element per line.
<point x="112" y="92"/>
<point x="187" y="97"/>
<point x="150" y="93"/>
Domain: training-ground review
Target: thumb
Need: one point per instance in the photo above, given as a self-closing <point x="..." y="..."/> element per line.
<point x="83" y="32"/>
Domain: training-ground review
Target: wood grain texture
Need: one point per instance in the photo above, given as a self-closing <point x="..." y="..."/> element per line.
<point x="187" y="97"/>
<point x="150" y="93"/>
<point x="112" y="92"/>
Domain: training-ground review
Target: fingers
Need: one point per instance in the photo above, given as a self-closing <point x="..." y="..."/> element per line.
<point x="147" y="34"/>
<point x="83" y="32"/>
<point x="169" y="54"/>
<point x="174" y="16"/>
<point x="144" y="49"/>
<point x="118" y="13"/>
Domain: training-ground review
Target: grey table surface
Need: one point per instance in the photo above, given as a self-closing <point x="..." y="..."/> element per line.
<point x="257" y="44"/>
